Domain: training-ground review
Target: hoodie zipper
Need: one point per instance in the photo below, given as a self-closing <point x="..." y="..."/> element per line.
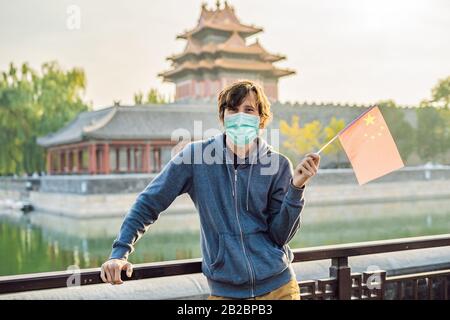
<point x="242" y="236"/>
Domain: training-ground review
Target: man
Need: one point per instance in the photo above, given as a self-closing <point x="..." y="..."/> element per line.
<point x="248" y="197"/>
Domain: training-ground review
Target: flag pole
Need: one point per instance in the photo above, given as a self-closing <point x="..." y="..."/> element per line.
<point x="318" y="152"/>
<point x="348" y="125"/>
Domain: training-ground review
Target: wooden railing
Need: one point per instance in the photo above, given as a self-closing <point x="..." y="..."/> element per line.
<point x="341" y="284"/>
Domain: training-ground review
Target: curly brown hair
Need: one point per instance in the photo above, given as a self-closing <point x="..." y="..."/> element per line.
<point x="233" y="95"/>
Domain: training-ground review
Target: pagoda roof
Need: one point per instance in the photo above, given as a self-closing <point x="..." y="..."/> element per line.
<point x="140" y="122"/>
<point x="227" y="64"/>
<point x="234" y="44"/>
<point x="201" y="55"/>
<point x="266" y="55"/>
<point x="221" y="19"/>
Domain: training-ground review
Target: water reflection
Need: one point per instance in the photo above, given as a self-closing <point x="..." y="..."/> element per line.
<point x="40" y="242"/>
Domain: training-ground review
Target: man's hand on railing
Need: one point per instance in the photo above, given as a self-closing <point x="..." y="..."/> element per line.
<point x="111" y="269"/>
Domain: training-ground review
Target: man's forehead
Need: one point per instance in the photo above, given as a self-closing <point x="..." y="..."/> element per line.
<point x="249" y="99"/>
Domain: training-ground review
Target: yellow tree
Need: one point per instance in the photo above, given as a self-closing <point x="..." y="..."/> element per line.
<point x="331" y="130"/>
<point x="301" y="140"/>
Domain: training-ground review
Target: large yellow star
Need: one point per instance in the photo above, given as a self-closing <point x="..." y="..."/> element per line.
<point x="369" y="119"/>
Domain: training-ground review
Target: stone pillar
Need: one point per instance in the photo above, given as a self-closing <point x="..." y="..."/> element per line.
<point x="70" y="160"/>
<point x="93" y="158"/>
<point x="117" y="168"/>
<point x="157" y="157"/>
<point x="146" y="158"/>
<point x="128" y="159"/>
<point x="64" y="161"/>
<point x="67" y="161"/>
<point x="61" y="162"/>
<point x="76" y="162"/>
<point x="49" y="162"/>
<point x="81" y="156"/>
<point x="106" y="168"/>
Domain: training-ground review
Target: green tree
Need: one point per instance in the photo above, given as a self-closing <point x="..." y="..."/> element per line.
<point x="431" y="134"/>
<point x="153" y="96"/>
<point x="433" y="121"/>
<point x="402" y="131"/>
<point x="441" y="94"/>
<point x="33" y="104"/>
<point x="138" y="98"/>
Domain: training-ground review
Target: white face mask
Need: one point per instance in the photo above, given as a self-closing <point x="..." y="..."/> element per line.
<point x="242" y="128"/>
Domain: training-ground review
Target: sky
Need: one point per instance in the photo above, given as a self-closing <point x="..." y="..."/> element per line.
<point x="347" y="51"/>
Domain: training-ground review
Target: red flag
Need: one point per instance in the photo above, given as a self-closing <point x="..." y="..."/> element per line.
<point x="370" y="147"/>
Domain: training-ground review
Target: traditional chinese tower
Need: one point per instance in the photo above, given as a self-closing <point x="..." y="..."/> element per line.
<point x="217" y="54"/>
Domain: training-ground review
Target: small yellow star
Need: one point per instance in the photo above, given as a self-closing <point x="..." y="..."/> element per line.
<point x="369" y="119"/>
<point x="365" y="134"/>
<point x="373" y="137"/>
<point x="381" y="127"/>
<point x="379" y="133"/>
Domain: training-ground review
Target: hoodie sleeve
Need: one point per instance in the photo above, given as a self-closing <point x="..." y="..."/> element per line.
<point x="173" y="180"/>
<point x="286" y="206"/>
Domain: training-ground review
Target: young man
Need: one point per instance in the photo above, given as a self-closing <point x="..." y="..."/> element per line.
<point x="248" y="197"/>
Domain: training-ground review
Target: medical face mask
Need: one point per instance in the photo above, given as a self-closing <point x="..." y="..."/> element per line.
<point x="241" y="127"/>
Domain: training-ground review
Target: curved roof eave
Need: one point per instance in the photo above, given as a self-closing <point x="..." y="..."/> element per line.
<point x="75" y="130"/>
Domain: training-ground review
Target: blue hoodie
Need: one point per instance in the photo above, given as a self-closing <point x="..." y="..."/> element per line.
<point x="248" y="214"/>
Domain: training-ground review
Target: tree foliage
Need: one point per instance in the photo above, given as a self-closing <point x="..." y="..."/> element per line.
<point x="441" y="94"/>
<point x="433" y="124"/>
<point x="301" y="140"/>
<point x="311" y="137"/>
<point x="401" y="130"/>
<point x="33" y="104"/>
<point x="432" y="137"/>
<point x="330" y="131"/>
<point x="153" y="96"/>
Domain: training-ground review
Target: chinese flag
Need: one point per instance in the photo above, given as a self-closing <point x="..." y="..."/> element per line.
<point x="370" y="147"/>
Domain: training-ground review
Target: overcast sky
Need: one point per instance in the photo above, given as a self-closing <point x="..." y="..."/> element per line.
<point x="343" y="51"/>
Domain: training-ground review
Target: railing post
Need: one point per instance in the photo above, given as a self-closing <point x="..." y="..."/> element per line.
<point x="341" y="271"/>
